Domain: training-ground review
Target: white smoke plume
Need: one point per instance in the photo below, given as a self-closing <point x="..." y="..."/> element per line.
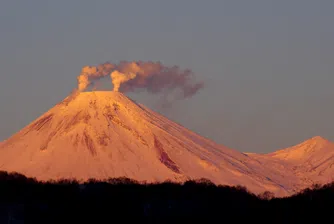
<point x="151" y="76"/>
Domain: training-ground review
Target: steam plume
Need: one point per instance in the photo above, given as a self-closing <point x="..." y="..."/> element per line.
<point x="151" y="76"/>
<point x="90" y="73"/>
<point x="118" y="78"/>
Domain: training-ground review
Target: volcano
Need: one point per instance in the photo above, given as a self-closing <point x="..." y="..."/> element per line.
<point x="104" y="134"/>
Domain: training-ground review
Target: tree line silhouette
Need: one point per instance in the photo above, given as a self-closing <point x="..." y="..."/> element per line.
<point x="26" y="200"/>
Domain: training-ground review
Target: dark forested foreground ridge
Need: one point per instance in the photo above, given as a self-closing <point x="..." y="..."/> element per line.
<point x="26" y="200"/>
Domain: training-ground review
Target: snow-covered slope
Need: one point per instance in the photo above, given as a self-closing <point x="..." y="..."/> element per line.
<point x="106" y="134"/>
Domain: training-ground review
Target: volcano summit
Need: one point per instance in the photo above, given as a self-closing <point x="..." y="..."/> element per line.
<point x="105" y="134"/>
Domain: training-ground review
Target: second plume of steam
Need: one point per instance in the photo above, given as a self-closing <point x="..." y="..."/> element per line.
<point x="152" y="76"/>
<point x="118" y="78"/>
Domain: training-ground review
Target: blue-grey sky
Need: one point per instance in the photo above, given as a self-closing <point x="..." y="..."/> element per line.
<point x="268" y="65"/>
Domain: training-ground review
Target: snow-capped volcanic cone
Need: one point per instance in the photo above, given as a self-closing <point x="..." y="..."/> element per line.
<point x="316" y="148"/>
<point x="310" y="162"/>
<point x="105" y="134"/>
<point x="312" y="159"/>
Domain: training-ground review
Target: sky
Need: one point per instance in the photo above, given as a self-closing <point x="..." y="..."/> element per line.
<point x="267" y="65"/>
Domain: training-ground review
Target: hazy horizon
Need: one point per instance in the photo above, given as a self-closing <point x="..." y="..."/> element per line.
<point x="266" y="65"/>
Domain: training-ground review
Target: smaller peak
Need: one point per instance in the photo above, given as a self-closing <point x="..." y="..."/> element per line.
<point x="317" y="139"/>
<point x="303" y="150"/>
